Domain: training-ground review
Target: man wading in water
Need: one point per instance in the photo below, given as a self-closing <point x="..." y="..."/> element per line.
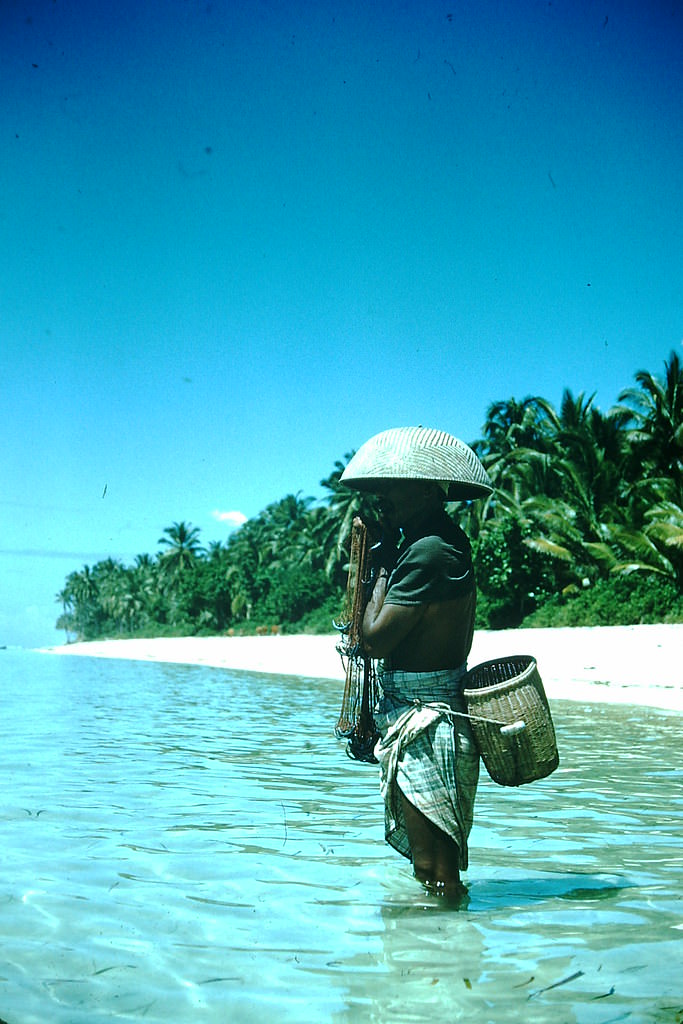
<point x="419" y="621"/>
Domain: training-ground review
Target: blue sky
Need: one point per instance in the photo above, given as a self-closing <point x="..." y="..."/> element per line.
<point x="238" y="238"/>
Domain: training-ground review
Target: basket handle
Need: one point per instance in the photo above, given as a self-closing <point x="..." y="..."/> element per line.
<point x="506" y="728"/>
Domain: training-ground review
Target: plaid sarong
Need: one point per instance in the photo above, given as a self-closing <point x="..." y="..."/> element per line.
<point x="426" y="753"/>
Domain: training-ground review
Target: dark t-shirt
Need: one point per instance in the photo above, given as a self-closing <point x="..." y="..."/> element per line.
<point x="433" y="565"/>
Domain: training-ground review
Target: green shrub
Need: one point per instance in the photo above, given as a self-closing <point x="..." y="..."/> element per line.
<point x="615" y="601"/>
<point x="320" y="620"/>
<point x="293" y="591"/>
<point x="512" y="578"/>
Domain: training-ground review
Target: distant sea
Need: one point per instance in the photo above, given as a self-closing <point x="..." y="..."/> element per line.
<point x="29" y="584"/>
<point x="189" y="844"/>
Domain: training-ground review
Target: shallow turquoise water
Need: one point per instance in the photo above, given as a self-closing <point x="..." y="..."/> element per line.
<point x="189" y="844"/>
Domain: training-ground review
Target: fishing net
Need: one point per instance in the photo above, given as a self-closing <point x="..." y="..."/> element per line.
<point x="355" y="721"/>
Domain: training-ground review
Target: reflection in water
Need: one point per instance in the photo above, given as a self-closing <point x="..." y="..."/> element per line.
<point x="185" y="843"/>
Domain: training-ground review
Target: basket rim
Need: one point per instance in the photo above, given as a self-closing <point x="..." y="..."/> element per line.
<point x="530" y="666"/>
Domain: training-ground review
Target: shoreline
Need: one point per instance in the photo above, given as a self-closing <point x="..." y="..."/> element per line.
<point x="603" y="664"/>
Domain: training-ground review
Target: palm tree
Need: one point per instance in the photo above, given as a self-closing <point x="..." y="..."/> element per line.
<point x="215" y="551"/>
<point x="665" y="530"/>
<point x="512" y="428"/>
<point x="244" y="548"/>
<point x="343" y="504"/>
<point x="81" y="602"/>
<point x="512" y="424"/>
<point x="283" y="526"/>
<point x="654" y="417"/>
<point x="68" y="598"/>
<point x="182" y="547"/>
<point x="559" y="477"/>
<point x="110" y="576"/>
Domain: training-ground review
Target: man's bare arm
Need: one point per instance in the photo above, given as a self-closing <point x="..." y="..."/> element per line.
<point x="386" y="625"/>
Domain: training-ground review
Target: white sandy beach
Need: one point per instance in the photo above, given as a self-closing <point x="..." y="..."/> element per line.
<point x="616" y="664"/>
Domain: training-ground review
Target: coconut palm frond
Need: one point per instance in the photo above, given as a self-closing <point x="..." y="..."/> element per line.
<point x="603" y="554"/>
<point x="669" y="534"/>
<point x="549" y="547"/>
<point x="627" y="568"/>
<point x="638" y="543"/>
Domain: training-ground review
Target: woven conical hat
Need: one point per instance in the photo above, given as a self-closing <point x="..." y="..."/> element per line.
<point x="418" y="453"/>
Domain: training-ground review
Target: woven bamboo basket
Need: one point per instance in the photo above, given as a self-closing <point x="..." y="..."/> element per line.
<point x="510" y="691"/>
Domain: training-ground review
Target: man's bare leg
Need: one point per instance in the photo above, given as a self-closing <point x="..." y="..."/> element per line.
<point x="436" y="856"/>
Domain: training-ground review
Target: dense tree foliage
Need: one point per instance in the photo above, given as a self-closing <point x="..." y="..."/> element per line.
<point x="585" y="526"/>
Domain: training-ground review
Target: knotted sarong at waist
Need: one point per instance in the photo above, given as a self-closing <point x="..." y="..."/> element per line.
<point x="427" y="753"/>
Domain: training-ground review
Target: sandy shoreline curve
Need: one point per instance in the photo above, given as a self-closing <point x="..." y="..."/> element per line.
<point x="605" y="664"/>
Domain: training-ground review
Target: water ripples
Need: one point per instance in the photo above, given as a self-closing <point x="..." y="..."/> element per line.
<point x="190" y="844"/>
